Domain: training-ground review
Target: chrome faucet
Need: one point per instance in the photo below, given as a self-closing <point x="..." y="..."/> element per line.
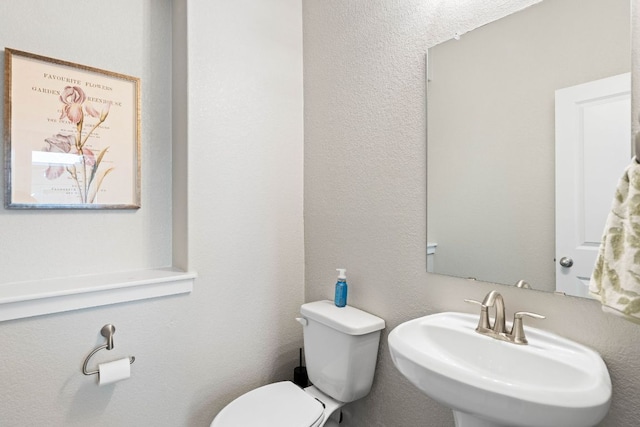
<point x="499" y="330"/>
<point x="523" y="284"/>
<point x="492" y="299"/>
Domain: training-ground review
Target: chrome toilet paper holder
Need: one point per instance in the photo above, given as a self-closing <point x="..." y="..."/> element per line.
<point x="107" y="331"/>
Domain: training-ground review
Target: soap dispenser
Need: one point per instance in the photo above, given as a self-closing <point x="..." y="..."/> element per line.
<point x="341" y="288"/>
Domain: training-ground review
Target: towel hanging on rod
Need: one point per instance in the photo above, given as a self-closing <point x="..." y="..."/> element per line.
<point x="615" y="276"/>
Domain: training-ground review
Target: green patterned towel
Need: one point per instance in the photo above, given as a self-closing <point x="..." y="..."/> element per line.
<point x="616" y="276"/>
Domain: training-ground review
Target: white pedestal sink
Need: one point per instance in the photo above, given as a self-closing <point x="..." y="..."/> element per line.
<point x="550" y="382"/>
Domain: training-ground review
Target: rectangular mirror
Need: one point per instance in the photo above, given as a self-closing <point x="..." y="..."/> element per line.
<point x="491" y="140"/>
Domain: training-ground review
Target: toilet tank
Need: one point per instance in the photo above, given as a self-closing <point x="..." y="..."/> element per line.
<point x="341" y="348"/>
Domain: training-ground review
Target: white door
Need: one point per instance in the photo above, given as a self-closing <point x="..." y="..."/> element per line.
<point x="593" y="147"/>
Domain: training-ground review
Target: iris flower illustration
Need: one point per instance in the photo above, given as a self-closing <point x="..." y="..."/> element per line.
<point x="72" y="97"/>
<point x="89" y="180"/>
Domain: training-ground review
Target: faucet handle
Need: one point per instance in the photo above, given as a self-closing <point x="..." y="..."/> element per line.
<point x="483" y="322"/>
<point x="473" y="301"/>
<point x="517" y="330"/>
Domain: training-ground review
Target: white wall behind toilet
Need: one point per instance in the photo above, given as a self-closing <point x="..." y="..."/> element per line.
<point x="243" y="205"/>
<point x="365" y="193"/>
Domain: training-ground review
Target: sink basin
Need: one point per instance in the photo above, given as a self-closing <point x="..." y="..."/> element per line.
<point x="551" y="382"/>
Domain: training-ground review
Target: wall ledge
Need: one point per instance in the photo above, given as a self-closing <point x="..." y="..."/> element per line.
<point x="34" y="298"/>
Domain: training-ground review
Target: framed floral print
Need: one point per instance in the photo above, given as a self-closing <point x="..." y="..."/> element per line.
<point x="71" y="135"/>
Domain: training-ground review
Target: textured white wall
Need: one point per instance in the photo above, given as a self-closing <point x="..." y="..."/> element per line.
<point x="194" y="353"/>
<point x="245" y="195"/>
<point x="365" y="198"/>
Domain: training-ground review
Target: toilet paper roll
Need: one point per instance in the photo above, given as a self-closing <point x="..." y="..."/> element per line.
<point x="111" y="372"/>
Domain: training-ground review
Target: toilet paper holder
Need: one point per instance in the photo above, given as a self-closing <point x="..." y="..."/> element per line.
<point x="107" y="331"/>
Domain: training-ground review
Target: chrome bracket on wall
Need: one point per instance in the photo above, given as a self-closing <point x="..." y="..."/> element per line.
<point x="107" y="331"/>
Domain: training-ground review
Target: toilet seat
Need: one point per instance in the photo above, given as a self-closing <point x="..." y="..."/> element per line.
<point x="281" y="404"/>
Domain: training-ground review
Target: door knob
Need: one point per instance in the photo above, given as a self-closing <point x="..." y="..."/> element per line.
<point x="566" y="262"/>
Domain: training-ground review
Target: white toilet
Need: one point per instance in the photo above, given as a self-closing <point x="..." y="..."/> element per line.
<point x="341" y="348"/>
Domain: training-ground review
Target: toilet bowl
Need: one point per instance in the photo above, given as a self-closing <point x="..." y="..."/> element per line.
<point x="341" y="347"/>
<point x="282" y="404"/>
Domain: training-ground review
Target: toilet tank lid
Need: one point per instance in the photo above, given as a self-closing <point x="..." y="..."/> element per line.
<point x="349" y="320"/>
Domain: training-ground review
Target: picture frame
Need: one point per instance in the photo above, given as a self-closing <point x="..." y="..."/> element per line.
<point x="71" y="135"/>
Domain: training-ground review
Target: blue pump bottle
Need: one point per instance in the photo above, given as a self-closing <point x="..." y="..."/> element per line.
<point x="341" y="288"/>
